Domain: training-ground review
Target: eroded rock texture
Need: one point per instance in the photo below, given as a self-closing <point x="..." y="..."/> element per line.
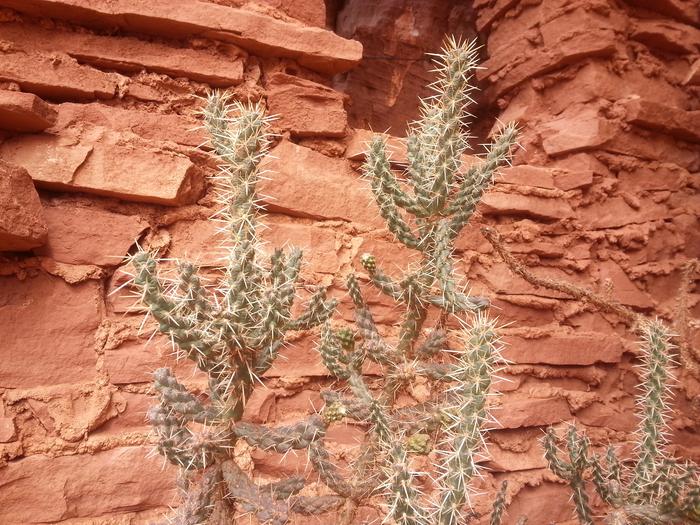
<point x="97" y="108"/>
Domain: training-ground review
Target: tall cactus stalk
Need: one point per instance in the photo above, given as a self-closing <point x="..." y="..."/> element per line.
<point x="232" y="333"/>
<point x="655" y="489"/>
<point x="426" y="210"/>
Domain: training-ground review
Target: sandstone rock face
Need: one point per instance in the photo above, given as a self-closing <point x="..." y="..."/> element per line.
<point x="396" y="34"/>
<point x="305" y="183"/>
<point x="72" y="163"/>
<point x="22" y="220"/>
<point x="89" y="236"/>
<point x="312" y="47"/>
<point x="57" y="322"/>
<point x="98" y="105"/>
<point x="305" y="108"/>
<point x="24" y="112"/>
<point x="81" y="486"/>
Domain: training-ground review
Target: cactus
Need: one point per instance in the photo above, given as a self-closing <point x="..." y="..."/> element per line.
<point x="232" y="333"/>
<point x="655" y="489"/>
<point x="426" y="212"/>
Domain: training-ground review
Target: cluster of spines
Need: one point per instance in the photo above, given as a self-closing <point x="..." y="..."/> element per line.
<point x="426" y="212"/>
<point x="233" y="333"/>
<point x="653" y="404"/>
<point x="467" y="415"/>
<point x="655" y="489"/>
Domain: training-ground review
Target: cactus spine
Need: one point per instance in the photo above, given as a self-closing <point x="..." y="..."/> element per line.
<point x="232" y="333"/>
<point x="655" y="489"/>
<point x="425" y="212"/>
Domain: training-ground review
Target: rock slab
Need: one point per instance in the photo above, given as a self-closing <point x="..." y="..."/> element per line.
<point x="22" y="222"/>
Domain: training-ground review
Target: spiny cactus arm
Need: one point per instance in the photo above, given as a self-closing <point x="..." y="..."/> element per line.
<point x="317" y="312"/>
<point x="464" y="432"/>
<point x="403" y="498"/>
<point x="572" y="471"/>
<point x="378" y="170"/>
<point x="177" y="443"/>
<point x="182" y="329"/>
<point x="245" y="493"/>
<point x="239" y="135"/>
<point x="433" y="344"/>
<point x="396" y="224"/>
<point x="690" y="507"/>
<point x="273" y="311"/>
<point x="441" y="265"/>
<point x="577" y="446"/>
<point x="654" y="404"/>
<point x="377" y="413"/>
<point x="291" y="274"/>
<point x="379" y="279"/>
<point x="607" y="488"/>
<point x="334" y="359"/>
<point x="552" y="454"/>
<point x="341" y="407"/>
<point x="377" y="349"/>
<point x="413" y="289"/>
<point x="332" y="477"/>
<point x="178" y="399"/>
<point x="195" y="298"/>
<point x="418" y="171"/>
<point x="442" y="117"/>
<point x="314" y="505"/>
<point x="282" y="439"/>
<point x="479" y="177"/>
<point x="499" y="505"/>
<point x="198" y="502"/>
<point x="671" y="491"/>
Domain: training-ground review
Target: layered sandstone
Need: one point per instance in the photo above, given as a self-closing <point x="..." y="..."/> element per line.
<point x="98" y="105"/>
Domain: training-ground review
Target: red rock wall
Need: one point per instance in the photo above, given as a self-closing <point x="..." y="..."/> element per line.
<point x="96" y="108"/>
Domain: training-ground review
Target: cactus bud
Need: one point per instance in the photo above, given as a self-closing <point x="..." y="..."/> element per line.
<point x="418" y="444"/>
<point x="334" y="412"/>
<point x="369" y="262"/>
<point x="346" y="337"/>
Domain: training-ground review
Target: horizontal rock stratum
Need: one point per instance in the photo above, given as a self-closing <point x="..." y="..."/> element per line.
<point x="312" y="47"/>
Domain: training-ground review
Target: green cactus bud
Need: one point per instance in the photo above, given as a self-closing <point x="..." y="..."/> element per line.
<point x="418" y="444"/>
<point x="346" y="337"/>
<point x="333" y="412"/>
<point x="369" y="262"/>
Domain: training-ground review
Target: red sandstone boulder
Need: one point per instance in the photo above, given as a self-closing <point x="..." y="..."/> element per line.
<point x="106" y="163"/>
<point x="305" y="108"/>
<point x="580" y="348"/>
<point x="24" y="112"/>
<point x="48" y="331"/>
<point x="56" y="76"/>
<point x="305" y="183"/>
<point x="80" y="235"/>
<point x="497" y="203"/>
<point x="131" y="55"/>
<point x="22" y="222"/>
<point x="83" y="486"/>
<point x="312" y="47"/>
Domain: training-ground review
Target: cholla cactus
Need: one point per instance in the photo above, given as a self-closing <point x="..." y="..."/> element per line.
<point x="233" y="333"/>
<point x="426" y="211"/>
<point x="656" y="489"/>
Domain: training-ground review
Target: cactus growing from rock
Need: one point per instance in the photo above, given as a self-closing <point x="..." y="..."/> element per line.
<point x="425" y="211"/>
<point x="233" y="333"/>
<point x="656" y="489"/>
